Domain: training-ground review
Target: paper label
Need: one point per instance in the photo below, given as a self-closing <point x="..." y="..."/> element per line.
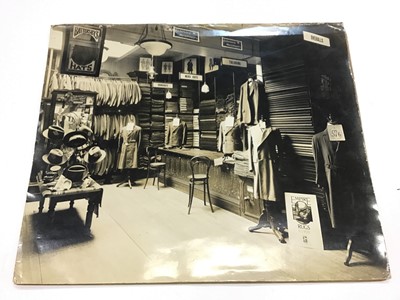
<point x="317" y="39"/>
<point x="229" y="121"/>
<point x="176" y="122"/>
<point x="335" y="132"/>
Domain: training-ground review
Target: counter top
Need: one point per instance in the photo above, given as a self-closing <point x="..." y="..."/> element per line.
<point x="191" y="152"/>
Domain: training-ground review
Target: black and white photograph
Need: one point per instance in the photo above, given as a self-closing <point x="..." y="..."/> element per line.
<point x="190" y="65"/>
<point x="167" y="67"/>
<point x="262" y="177"/>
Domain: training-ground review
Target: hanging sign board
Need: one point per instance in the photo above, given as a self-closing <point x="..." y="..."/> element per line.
<point x="163" y="85"/>
<point x="233" y="62"/>
<point x="186" y="34"/>
<point x="317" y="39"/>
<point x="303" y="220"/>
<point x="194" y="77"/>
<point x="231" y="43"/>
<point x="335" y="132"/>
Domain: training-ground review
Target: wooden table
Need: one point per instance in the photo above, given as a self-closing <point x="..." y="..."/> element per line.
<point x="93" y="195"/>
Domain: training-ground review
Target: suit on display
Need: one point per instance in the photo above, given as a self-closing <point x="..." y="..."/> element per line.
<point x="263" y="150"/>
<point x="176" y="134"/>
<point x="131" y="137"/>
<point x="251" y="102"/>
<point x="228" y="138"/>
<point x="328" y="164"/>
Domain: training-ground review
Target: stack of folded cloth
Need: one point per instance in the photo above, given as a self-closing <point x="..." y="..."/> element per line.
<point x="186" y="105"/>
<point x="196" y="139"/>
<point x="143" y="120"/>
<point x="168" y="119"/>
<point x="157" y="122"/>
<point x="208" y="140"/>
<point x="157" y="138"/>
<point x="196" y="123"/>
<point x="144" y="88"/>
<point x="145" y="140"/>
<point x="171" y="107"/>
<point x="187" y="90"/>
<point x="158" y="91"/>
<point x="242" y="164"/>
<point x="144" y="105"/>
<point x="188" y="119"/>
<point x="208" y="122"/>
<point x="189" y="139"/>
<point x="207" y="107"/>
<point x="157" y="105"/>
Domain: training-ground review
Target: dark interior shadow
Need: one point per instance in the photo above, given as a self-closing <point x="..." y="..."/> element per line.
<point x="67" y="229"/>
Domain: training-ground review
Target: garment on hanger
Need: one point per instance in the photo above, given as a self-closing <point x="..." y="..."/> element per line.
<point x="327" y="159"/>
<point x="130" y="142"/>
<point x="264" y="144"/>
<point x="176" y="134"/>
<point x="228" y="137"/>
<point x="251" y="101"/>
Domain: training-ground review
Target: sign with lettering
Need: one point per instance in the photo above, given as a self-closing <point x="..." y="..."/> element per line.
<point x="83" y="49"/>
<point x="233" y="62"/>
<point x="335" y="132"/>
<point x="231" y="43"/>
<point x="194" y="77"/>
<point x="186" y="34"/>
<point x="162" y="85"/>
<point x="317" y="39"/>
<point x="303" y="220"/>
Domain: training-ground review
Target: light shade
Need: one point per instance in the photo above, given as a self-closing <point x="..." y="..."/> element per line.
<point x="155" y="47"/>
<point x="205" y="88"/>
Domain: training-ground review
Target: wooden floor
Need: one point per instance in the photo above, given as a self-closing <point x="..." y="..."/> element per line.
<point x="146" y="236"/>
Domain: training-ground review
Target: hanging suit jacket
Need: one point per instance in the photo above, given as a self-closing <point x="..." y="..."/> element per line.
<point x="175" y="136"/>
<point x="251" y="97"/>
<point x="128" y="156"/>
<point x="228" y="138"/>
<point x="328" y="163"/>
<point x="263" y="150"/>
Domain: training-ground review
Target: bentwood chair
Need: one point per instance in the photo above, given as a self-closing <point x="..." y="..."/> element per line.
<point x="200" y="168"/>
<point x="155" y="166"/>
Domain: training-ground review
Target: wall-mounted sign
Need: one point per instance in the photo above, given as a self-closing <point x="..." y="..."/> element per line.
<point x="231" y="43"/>
<point x="190" y="77"/>
<point x="303" y="220"/>
<point x="233" y="62"/>
<point x="163" y="85"/>
<point x="186" y="34"/>
<point x="83" y="49"/>
<point x="317" y="39"/>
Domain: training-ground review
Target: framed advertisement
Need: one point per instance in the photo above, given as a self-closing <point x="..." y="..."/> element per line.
<point x="144" y="64"/>
<point x="190" y="66"/>
<point x="167" y="67"/>
<point x="83" y="49"/>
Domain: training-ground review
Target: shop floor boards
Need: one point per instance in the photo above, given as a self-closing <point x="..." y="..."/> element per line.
<point x="146" y="236"/>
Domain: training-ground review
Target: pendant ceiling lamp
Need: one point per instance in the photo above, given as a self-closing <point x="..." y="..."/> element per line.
<point x="205" y="88"/>
<point x="156" y="46"/>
